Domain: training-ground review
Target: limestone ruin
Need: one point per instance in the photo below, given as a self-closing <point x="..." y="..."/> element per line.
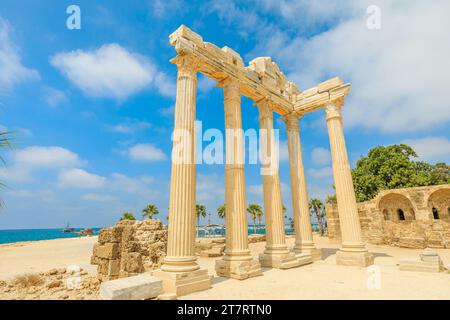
<point x="410" y="218"/>
<point x="129" y="248"/>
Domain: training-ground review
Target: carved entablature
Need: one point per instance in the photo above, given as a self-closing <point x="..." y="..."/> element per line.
<point x="332" y="90"/>
<point x="261" y="79"/>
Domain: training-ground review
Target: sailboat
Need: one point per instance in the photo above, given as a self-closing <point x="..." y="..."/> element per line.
<point x="68" y="229"/>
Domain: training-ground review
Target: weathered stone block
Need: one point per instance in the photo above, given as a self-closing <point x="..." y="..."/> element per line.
<point x="112" y="235"/>
<point x="108" y="251"/>
<point x="132" y="288"/>
<point x="329" y="84"/>
<point x="114" y="267"/>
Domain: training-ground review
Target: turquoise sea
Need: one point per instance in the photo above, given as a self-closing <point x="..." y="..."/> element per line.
<point x="19" y="235"/>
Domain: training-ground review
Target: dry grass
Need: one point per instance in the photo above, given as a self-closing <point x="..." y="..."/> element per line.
<point x="28" y="280"/>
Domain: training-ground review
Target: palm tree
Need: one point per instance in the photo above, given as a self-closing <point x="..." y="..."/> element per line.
<point x="149" y="211"/>
<point x="221" y="214"/>
<point x="284" y="209"/>
<point x="316" y="207"/>
<point x="221" y="211"/>
<point x="200" y="211"/>
<point x="255" y="211"/>
<point x="128" y="216"/>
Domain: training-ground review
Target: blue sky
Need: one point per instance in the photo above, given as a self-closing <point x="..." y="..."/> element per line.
<point x="93" y="108"/>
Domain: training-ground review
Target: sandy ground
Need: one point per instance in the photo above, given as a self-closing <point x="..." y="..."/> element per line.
<point x="326" y="280"/>
<point x="321" y="280"/>
<point x="41" y="256"/>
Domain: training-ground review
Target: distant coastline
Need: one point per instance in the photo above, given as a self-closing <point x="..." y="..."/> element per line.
<point x="30" y="235"/>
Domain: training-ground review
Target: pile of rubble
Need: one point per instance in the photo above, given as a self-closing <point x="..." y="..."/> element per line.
<point x="72" y="283"/>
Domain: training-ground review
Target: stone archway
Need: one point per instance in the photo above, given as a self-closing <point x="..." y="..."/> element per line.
<point x="396" y="207"/>
<point x="439" y="204"/>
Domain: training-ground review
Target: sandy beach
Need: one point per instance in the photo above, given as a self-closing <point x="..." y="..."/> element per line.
<point x="321" y="280"/>
<point x="40" y="256"/>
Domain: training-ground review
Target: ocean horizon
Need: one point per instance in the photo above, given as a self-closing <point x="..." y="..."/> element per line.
<point x="24" y="235"/>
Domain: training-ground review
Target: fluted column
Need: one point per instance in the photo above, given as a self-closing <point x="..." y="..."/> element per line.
<point x="180" y="272"/>
<point x="181" y="230"/>
<point x="302" y="220"/>
<point x="353" y="251"/>
<point x="276" y="253"/>
<point x="235" y="199"/>
<point x="237" y="260"/>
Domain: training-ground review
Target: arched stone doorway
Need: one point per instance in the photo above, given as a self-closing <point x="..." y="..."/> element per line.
<point x="396" y="207"/>
<point x="439" y="204"/>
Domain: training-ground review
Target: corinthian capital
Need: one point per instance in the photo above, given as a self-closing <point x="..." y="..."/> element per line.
<point x="186" y="63"/>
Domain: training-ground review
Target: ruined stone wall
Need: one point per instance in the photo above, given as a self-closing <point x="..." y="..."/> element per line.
<point x="402" y="217"/>
<point x="129" y="248"/>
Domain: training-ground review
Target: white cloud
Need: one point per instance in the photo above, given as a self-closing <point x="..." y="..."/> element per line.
<point x="256" y="190"/>
<point x="111" y="71"/>
<point x="210" y="189"/>
<point x="399" y="74"/>
<point x="13" y="72"/>
<point x="205" y="84"/>
<point x="322" y="173"/>
<point x="320" y="156"/>
<point x="44" y="195"/>
<point x="168" y="111"/>
<point x="98" y="197"/>
<point x="283" y="151"/>
<point x="146" y="153"/>
<point x="79" y="178"/>
<point x="434" y="149"/>
<point x="134" y="185"/>
<point x="46" y="157"/>
<point x="130" y="126"/>
<point x="54" y="97"/>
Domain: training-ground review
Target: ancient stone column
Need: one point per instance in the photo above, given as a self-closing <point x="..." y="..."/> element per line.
<point x="276" y="253"/>
<point x="180" y="272"/>
<point x="353" y="251"/>
<point x="302" y="222"/>
<point x="237" y="262"/>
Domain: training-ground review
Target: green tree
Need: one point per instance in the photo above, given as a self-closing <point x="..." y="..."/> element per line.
<point x="221" y="211"/>
<point x="128" y="216"/>
<point x="392" y="167"/>
<point x="149" y="211"/>
<point x="200" y="211"/>
<point x="317" y="208"/>
<point x="255" y="212"/>
<point x="331" y="199"/>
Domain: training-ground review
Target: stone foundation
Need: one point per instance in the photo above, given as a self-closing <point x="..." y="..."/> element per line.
<point x="129" y="248"/>
<point x="356" y="259"/>
<point x="238" y="269"/>
<point x="279" y="261"/>
<point x="182" y="283"/>
<point x="428" y="261"/>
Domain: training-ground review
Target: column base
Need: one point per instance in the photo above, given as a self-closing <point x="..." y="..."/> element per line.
<point x="315" y="253"/>
<point x="279" y="260"/>
<point x="182" y="283"/>
<point x="304" y="258"/>
<point x="354" y="258"/>
<point x="241" y="269"/>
